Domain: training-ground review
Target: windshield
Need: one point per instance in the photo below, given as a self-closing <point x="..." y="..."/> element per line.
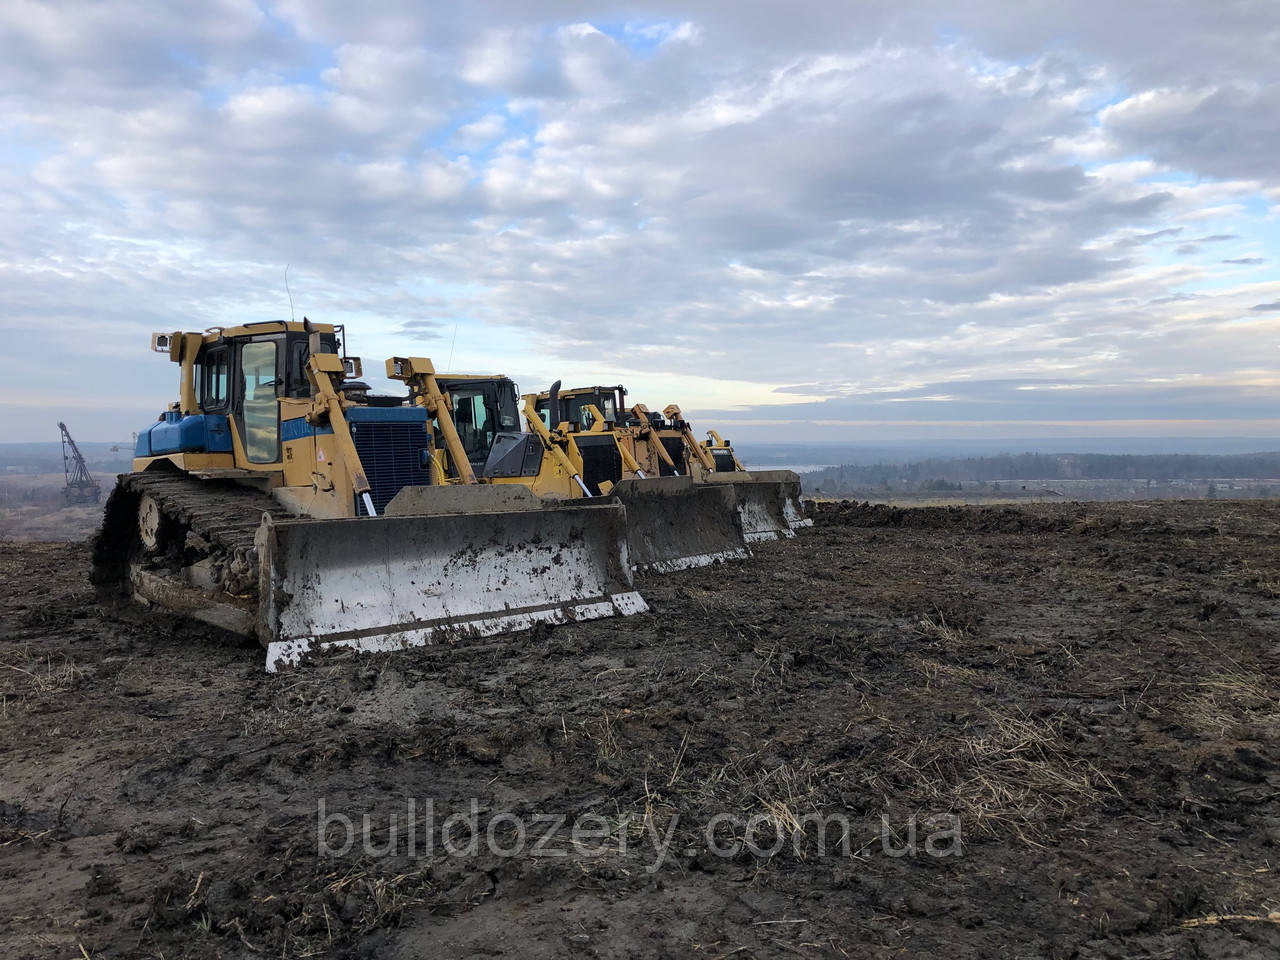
<point x="482" y="409"/>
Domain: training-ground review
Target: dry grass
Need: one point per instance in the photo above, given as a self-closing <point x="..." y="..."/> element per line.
<point x="939" y="674"/>
<point x="365" y="898"/>
<point x="1008" y="775"/>
<point x="27" y="675"/>
<point x="1014" y="775"/>
<point x="274" y="720"/>
<point x="934" y="629"/>
<point x="1266" y="582"/>
<point x="1220" y="705"/>
<point x="601" y="734"/>
<point x="382" y="900"/>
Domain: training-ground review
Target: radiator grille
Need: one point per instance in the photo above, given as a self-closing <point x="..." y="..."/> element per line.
<point x="600" y="460"/>
<point x="724" y="461"/>
<point x="675" y="450"/>
<point x="391" y="454"/>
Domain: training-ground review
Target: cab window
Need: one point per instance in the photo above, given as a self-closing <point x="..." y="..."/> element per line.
<point x="471" y="418"/>
<point x="215" y="374"/>
<point x="299" y="353"/>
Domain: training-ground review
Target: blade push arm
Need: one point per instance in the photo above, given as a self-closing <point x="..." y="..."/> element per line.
<point x="420" y="374"/>
<point x="182" y="349"/>
<point x="641" y="413"/>
<point x="672" y="413"/>
<point x="325" y="371"/>
<point x="553" y="442"/>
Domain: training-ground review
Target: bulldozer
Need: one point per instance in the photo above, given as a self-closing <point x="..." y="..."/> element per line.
<point x="671" y="523"/>
<point x="767" y="502"/>
<point x="772" y="504"/>
<point x="654" y="445"/>
<point x="277" y="498"/>
<point x="721" y="452"/>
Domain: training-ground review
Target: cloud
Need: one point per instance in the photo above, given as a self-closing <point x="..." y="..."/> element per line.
<point x="1212" y="129"/>
<point x="483" y="131"/>
<point x="1274" y="305"/>
<point x="1035" y="400"/>
<point x="855" y="200"/>
<point x="1140" y="239"/>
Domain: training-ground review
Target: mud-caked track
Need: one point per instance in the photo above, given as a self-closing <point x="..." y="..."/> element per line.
<point x="1074" y="709"/>
<point x="193" y="520"/>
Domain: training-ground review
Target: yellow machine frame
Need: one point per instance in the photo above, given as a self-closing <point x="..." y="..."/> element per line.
<point x="561" y="471"/>
<point x="318" y="474"/>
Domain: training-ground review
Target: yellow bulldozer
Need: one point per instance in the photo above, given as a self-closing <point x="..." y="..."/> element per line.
<point x="767" y="502"/>
<point x="671" y="523"/>
<point x="276" y="498"/>
<point x="279" y="498"/>
<point x="771" y="499"/>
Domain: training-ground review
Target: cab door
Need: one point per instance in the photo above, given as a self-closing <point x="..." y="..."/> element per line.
<point x="257" y="413"/>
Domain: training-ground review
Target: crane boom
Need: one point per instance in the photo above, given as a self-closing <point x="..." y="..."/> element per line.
<point x="81" y="487"/>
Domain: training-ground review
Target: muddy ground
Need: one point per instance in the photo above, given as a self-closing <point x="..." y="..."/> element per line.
<point x="32" y="507"/>
<point x="1084" y="699"/>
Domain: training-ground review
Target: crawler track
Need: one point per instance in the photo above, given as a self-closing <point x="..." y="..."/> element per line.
<point x="201" y="520"/>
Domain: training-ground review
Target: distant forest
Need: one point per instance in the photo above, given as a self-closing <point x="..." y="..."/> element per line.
<point x="951" y="474"/>
<point x="27" y="458"/>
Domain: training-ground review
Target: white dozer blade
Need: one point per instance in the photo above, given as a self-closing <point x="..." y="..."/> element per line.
<point x="768" y="502"/>
<point x="385" y="583"/>
<point x="674" y="524"/>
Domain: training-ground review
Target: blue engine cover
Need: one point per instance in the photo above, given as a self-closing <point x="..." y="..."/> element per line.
<point x="196" y="433"/>
<point x="390" y="442"/>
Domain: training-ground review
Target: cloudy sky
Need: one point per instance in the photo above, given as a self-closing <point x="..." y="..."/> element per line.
<point x="799" y="220"/>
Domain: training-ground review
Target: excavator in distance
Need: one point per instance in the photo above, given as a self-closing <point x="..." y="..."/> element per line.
<point x="277" y="498"/>
<point x="80" y="486"/>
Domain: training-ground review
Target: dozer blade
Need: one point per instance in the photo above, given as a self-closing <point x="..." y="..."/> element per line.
<point x="384" y="583"/>
<point x="673" y="524"/>
<point x="788" y="493"/>
<point x="768" y="501"/>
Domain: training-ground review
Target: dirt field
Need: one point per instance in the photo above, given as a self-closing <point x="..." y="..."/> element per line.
<point x="32" y="507"/>
<point x="1084" y="699"/>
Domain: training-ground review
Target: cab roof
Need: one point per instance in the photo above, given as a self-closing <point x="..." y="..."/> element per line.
<point x="580" y="391"/>
<point x="213" y="334"/>
<point x="458" y="377"/>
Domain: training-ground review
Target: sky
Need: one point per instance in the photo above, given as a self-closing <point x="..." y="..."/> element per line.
<point x="802" y="221"/>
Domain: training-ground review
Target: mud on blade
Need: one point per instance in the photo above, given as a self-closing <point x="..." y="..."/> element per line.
<point x="673" y="524"/>
<point x="390" y="582"/>
<point x="768" y="502"/>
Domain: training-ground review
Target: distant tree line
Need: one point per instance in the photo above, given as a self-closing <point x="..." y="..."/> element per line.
<point x="17" y="494"/>
<point x="951" y="473"/>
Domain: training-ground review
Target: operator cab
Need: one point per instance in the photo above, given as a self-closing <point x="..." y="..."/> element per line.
<point x="242" y="373"/>
<point x="235" y="375"/>
<point x="483" y="408"/>
<point x="601" y="460"/>
<point x="573" y="404"/>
